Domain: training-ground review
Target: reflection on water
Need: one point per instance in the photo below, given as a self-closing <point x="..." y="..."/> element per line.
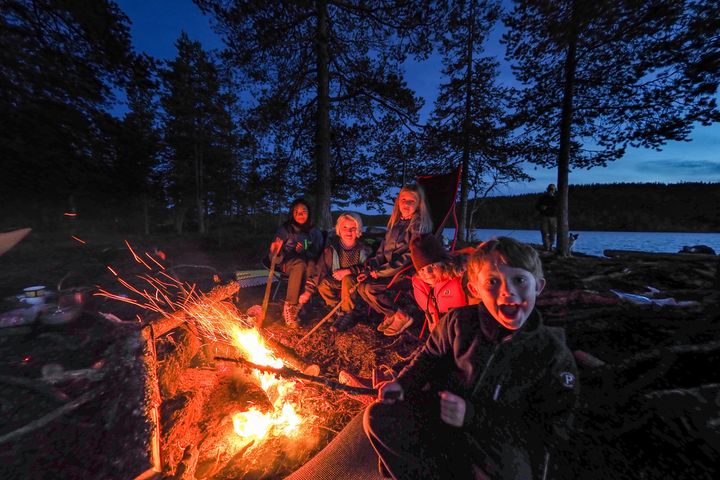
<point x="593" y="243"/>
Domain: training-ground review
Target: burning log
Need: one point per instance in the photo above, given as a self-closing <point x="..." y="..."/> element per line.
<point x="292" y="357"/>
<point x="186" y="468"/>
<point x="291" y="373"/>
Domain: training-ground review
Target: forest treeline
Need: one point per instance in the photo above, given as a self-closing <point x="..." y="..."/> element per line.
<point x="636" y="207"/>
<point x="310" y="99"/>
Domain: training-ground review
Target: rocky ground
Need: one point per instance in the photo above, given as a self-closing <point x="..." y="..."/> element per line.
<point x="650" y="405"/>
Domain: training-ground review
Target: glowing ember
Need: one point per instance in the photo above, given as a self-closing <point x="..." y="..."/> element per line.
<point x="284" y="420"/>
<point x="252" y="424"/>
<point x="218" y="320"/>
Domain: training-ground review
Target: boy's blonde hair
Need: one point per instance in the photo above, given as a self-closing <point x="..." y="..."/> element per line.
<point x="422" y="213"/>
<point x="353" y="217"/>
<point x="512" y="252"/>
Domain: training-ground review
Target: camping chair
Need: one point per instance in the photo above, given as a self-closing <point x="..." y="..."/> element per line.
<point x="441" y="194"/>
<point x="278" y="275"/>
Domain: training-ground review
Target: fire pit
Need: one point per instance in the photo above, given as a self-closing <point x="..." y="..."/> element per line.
<point x="215" y="419"/>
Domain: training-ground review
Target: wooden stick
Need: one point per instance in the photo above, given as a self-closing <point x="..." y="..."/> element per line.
<point x="290" y="373"/>
<point x="268" y="287"/>
<point x="35" y="385"/>
<point x="42" y="421"/>
<point x="327" y="317"/>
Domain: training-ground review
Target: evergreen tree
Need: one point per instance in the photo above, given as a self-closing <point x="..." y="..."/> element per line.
<point x="59" y="64"/>
<point x="200" y="141"/>
<point x="605" y="75"/>
<point x="138" y="146"/>
<point x="468" y="124"/>
<point x="328" y="78"/>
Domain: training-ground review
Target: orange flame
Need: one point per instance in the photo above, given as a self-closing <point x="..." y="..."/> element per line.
<point x="219" y="320"/>
<point x="284" y="420"/>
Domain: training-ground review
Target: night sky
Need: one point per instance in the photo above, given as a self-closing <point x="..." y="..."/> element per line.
<point x="156" y="25"/>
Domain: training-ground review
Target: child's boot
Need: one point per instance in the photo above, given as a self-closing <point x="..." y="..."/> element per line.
<point x="290" y="314"/>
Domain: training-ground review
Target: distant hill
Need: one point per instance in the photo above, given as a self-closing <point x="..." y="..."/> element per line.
<point x="682" y="207"/>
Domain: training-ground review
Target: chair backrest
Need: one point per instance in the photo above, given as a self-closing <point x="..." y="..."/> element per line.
<point x="441" y="193"/>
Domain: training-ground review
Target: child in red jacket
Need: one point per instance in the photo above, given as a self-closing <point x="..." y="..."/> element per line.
<point x="437" y="285"/>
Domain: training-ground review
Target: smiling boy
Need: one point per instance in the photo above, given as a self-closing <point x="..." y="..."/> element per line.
<point x="337" y="269"/>
<point x="491" y="387"/>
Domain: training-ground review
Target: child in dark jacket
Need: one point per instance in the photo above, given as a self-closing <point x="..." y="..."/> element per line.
<point x="410" y="217"/>
<point x="297" y="246"/>
<point x="337" y="268"/>
<point x="491" y="385"/>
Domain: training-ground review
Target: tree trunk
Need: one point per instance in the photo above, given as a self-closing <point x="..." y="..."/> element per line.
<point x="462" y="222"/>
<point x="565" y="137"/>
<point x="323" y="218"/>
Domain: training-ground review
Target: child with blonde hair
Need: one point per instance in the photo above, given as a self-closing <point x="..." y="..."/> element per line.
<point x="410" y="217"/>
<point x="336" y="270"/>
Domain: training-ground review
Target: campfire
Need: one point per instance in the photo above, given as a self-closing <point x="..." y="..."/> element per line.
<point x="217" y="419"/>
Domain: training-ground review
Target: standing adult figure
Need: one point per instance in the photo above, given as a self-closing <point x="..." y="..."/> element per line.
<point x="297" y="244"/>
<point x="547" y="207"/>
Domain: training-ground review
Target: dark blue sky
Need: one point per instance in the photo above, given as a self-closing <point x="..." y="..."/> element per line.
<point x="156" y="25"/>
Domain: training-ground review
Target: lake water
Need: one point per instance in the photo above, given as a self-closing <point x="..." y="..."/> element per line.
<point x="593" y="243"/>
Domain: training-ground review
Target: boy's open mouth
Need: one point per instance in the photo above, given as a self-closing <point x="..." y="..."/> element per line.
<point x="509" y="310"/>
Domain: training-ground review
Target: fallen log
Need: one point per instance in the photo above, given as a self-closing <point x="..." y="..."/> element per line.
<point x="639" y="255"/>
<point x="35" y="385"/>
<point x="55" y="414"/>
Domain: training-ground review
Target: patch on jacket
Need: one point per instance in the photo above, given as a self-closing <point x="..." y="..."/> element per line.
<point x="568" y="379"/>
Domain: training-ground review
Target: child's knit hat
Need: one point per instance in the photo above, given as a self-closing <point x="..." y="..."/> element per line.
<point x="426" y="249"/>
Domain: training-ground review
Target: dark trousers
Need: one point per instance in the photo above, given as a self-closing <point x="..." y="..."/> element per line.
<point x="374" y="291"/>
<point x="412" y="442"/>
<point x="297" y="269"/>
<point x="333" y="292"/>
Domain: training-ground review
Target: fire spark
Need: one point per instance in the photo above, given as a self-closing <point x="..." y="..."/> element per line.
<point x="214" y="318"/>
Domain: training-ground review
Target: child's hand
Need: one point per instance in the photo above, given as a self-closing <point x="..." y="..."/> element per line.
<point x="373" y="274"/>
<point x="452" y="408"/>
<point x="304" y="298"/>
<point x="276" y="246"/>
<point x="341" y="273"/>
<point x="391" y="392"/>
